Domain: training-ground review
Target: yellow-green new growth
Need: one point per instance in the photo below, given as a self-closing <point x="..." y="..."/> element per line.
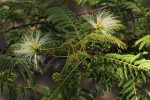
<point x="30" y="45"/>
<point x="105" y="22"/>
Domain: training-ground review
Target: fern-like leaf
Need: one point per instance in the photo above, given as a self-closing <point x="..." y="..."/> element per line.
<point x="8" y="63"/>
<point x="105" y="39"/>
<point x="138" y="6"/>
<point x="128" y="59"/>
<point x="144" y="41"/>
<point x="133" y="6"/>
<point x="131" y="71"/>
<point x="63" y="20"/>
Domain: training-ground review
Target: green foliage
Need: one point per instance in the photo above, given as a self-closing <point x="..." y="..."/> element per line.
<point x="63" y="19"/>
<point x="129" y="72"/>
<point x="91" y="2"/>
<point x="140" y="6"/>
<point x="105" y="39"/>
<point x="141" y="10"/>
<point x="144" y="41"/>
<point x="88" y="51"/>
<point x="64" y="83"/>
<point x="8" y="75"/>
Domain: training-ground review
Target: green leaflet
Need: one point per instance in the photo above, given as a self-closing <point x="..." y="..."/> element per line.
<point x="143" y="42"/>
<point x="105" y="39"/>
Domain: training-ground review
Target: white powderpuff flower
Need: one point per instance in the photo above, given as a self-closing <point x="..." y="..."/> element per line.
<point x="104" y="21"/>
<point x="30" y="45"/>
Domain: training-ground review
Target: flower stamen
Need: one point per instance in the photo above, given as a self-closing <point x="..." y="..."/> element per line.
<point x="105" y="22"/>
<point x="29" y="47"/>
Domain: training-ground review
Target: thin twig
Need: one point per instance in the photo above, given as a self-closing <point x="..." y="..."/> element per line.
<point x="24" y="25"/>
